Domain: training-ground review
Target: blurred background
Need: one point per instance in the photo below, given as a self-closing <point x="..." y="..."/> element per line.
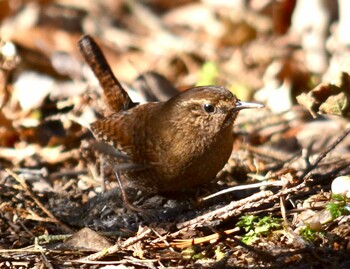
<point x="293" y="56"/>
<point x="265" y="50"/>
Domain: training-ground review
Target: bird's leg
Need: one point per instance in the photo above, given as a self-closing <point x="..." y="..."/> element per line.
<point x="125" y="199"/>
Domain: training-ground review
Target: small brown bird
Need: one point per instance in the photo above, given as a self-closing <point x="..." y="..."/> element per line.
<point x="180" y="143"/>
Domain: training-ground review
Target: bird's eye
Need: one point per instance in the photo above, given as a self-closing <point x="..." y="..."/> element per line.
<point x="209" y="108"/>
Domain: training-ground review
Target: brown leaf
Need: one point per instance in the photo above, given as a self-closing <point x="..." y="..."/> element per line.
<point x="87" y="239"/>
<point x="327" y="98"/>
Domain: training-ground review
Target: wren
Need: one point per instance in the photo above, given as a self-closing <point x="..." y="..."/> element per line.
<point x="180" y="143"/>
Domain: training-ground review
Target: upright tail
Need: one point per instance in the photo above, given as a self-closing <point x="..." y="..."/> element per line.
<point x="116" y="97"/>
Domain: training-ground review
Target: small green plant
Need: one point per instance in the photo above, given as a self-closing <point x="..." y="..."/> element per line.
<point x="339" y="206"/>
<point x="256" y="227"/>
<point x="219" y="253"/>
<point x="311" y="234"/>
<point x="192" y="252"/>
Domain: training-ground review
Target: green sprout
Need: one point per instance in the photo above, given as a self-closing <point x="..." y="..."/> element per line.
<point x="311" y="234"/>
<point x="339" y="206"/>
<point x="256" y="227"/>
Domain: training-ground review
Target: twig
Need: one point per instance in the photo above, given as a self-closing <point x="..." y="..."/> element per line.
<point x="113" y="249"/>
<point x="185" y="243"/>
<point x="233" y="209"/>
<point x="162" y="238"/>
<point x="324" y="154"/>
<point x="243" y="187"/>
<point x="227" y="211"/>
<point x="25" y="186"/>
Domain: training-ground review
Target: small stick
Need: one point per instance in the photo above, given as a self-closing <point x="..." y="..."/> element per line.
<point x="35" y="199"/>
<point x="113" y="249"/>
<point x="243" y="187"/>
<point x="324" y="153"/>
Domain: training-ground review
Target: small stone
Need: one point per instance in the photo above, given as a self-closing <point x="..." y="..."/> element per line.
<point x="341" y="185"/>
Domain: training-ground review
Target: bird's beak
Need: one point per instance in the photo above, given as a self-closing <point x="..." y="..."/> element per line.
<point x="245" y="105"/>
